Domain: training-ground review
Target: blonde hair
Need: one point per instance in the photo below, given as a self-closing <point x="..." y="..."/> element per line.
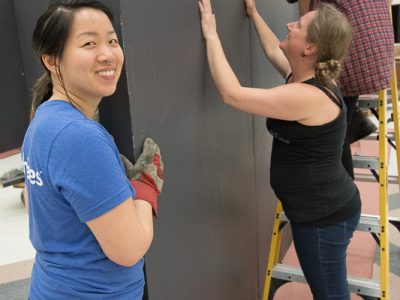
<point x="332" y="33"/>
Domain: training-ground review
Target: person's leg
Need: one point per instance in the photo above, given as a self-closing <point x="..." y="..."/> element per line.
<point x="351" y="104"/>
<point x="358" y="127"/>
<point x="322" y="255"/>
<point x="347" y="158"/>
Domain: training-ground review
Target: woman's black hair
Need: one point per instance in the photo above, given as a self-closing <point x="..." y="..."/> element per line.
<point x="50" y="36"/>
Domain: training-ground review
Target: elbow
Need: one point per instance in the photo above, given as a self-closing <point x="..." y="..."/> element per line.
<point x="129" y="256"/>
<point x="231" y="96"/>
<point x="226" y="99"/>
<point x="127" y="260"/>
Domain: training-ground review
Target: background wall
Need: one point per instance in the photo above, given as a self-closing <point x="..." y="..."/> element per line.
<point x="396" y="22"/>
<point x="216" y="210"/>
<point x="14" y="96"/>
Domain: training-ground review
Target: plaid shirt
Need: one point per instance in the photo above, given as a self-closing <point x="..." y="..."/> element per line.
<point x="369" y="64"/>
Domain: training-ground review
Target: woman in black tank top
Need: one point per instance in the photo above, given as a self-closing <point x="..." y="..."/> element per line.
<point x="307" y="118"/>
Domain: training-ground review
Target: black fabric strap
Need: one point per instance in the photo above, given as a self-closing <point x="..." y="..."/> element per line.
<point x="333" y="94"/>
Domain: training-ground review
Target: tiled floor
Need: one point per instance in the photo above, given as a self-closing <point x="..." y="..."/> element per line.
<point x="16" y="251"/>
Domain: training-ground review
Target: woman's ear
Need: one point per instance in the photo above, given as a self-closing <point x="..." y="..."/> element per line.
<point x="50" y="62"/>
<point x="312" y="48"/>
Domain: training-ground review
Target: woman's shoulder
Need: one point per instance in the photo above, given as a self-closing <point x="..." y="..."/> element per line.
<point x="67" y="128"/>
<point x="82" y="139"/>
<point x="84" y="130"/>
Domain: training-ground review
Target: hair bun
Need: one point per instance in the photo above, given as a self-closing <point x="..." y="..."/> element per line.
<point x="326" y="71"/>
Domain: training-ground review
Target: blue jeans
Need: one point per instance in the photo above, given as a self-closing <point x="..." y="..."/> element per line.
<point x="322" y="255"/>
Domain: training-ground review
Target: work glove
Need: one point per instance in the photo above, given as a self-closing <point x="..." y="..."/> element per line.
<point x="146" y="175"/>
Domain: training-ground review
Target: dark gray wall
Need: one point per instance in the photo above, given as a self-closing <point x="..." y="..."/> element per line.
<point x="114" y="111"/>
<point x="216" y="210"/>
<point x="26" y="14"/>
<point x="14" y="97"/>
<point x="396" y="22"/>
<point x="207" y="208"/>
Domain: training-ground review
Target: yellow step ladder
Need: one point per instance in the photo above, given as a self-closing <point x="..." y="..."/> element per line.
<point x="278" y="274"/>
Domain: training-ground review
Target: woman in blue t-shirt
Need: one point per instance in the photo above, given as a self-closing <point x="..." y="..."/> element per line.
<point x="89" y="223"/>
<point x="307" y="119"/>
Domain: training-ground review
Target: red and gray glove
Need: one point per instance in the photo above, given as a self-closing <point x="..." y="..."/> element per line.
<point x="146" y="175"/>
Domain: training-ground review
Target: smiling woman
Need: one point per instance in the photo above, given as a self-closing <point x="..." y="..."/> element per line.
<point x="89" y="224"/>
<point x="91" y="62"/>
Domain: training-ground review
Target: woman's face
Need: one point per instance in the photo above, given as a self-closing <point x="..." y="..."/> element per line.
<point x="92" y="58"/>
<point x="296" y="39"/>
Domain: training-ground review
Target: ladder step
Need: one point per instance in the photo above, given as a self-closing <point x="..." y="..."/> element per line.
<point x="289" y="273"/>
<point x="368" y="223"/>
<point x="365" y="162"/>
<point x="375" y="136"/>
<point x="372" y="137"/>
<point x="360" y="286"/>
<point x="372" y="101"/>
<point x="371" y="178"/>
<point x="371" y="223"/>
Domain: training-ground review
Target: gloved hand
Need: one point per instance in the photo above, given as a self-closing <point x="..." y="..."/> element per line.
<point x="146" y="175"/>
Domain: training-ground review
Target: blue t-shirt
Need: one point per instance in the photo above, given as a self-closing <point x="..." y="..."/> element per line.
<point x="73" y="174"/>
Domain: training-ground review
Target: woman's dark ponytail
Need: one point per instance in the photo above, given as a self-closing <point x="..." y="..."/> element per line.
<point x="41" y="91"/>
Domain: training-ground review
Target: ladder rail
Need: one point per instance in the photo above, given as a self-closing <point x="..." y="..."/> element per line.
<point x="274" y="250"/>
<point x="383" y="197"/>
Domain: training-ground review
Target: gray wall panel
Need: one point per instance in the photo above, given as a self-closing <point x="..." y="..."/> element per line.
<point x="205" y="243"/>
<point x="26" y="14"/>
<point x="216" y="210"/>
<point x="13" y="101"/>
<point x="277" y="14"/>
<point x="114" y="110"/>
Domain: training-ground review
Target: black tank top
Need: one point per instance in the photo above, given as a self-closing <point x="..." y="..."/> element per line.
<point x="306" y="170"/>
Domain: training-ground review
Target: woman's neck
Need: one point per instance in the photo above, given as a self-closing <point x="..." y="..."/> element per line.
<point x="88" y="108"/>
<point x="302" y="75"/>
<point x="303" y="68"/>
